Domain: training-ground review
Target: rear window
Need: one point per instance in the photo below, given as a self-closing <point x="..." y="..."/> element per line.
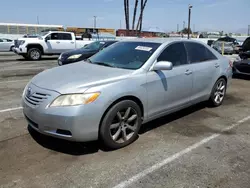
<point x="65" y="36"/>
<point x="127" y="55"/>
<point x="198" y="53"/>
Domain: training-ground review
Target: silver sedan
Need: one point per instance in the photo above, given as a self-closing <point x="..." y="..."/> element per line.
<point x="6" y="45"/>
<point x="109" y="96"/>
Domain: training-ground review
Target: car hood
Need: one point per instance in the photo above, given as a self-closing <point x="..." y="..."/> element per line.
<point x="78" y="77"/>
<point x="30" y="39"/>
<point x="77" y="51"/>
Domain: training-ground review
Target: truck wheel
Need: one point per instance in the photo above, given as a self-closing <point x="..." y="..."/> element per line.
<point x="34" y="54"/>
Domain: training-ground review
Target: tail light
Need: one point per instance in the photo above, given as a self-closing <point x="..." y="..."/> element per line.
<point x="230" y="63"/>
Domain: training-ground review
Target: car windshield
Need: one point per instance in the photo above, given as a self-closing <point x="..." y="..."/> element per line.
<point x="94" y="45"/>
<point x="43" y="33"/>
<point x="126" y="55"/>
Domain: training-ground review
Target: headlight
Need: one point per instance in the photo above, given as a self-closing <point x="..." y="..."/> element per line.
<point x="22" y="42"/>
<point x="74" y="99"/>
<point x="60" y="56"/>
<point x="74" y="56"/>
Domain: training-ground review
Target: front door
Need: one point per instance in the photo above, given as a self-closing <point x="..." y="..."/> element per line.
<point x="52" y="44"/>
<point x="170" y="89"/>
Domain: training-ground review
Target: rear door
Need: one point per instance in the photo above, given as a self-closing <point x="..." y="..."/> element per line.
<point x="66" y="42"/>
<point x="206" y="69"/>
<point x="4" y="45"/>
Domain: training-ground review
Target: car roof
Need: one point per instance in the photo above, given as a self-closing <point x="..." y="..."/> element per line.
<point x="161" y="40"/>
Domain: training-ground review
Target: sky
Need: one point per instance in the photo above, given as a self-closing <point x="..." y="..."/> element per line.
<point x="212" y="15"/>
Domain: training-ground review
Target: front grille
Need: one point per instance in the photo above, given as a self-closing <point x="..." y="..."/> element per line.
<point x="16" y="43"/>
<point x="36" y="98"/>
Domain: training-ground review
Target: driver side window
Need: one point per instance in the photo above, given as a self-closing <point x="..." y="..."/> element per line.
<point x="174" y="53"/>
<point x="53" y="36"/>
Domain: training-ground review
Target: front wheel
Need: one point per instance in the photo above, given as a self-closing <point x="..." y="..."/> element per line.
<point x="218" y="93"/>
<point x="34" y="54"/>
<point x="121" y="125"/>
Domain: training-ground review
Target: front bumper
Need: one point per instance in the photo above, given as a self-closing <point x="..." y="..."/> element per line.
<point x="20" y="50"/>
<point x="74" y="123"/>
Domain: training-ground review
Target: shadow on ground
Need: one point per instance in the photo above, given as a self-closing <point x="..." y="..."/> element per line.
<point x="190" y="129"/>
<point x="241" y="77"/>
<point x="42" y="59"/>
<point x="64" y="146"/>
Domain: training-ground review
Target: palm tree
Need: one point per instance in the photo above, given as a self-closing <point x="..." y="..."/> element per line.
<point x="135" y="11"/>
<point x="139" y="23"/>
<point x="126" y="11"/>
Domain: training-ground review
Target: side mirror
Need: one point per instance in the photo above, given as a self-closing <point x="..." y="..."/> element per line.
<point x="163" y="65"/>
<point x="46" y="39"/>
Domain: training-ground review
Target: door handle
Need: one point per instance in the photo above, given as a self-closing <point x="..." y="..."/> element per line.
<point x="216" y="65"/>
<point x="57" y="42"/>
<point x="188" y="72"/>
<point x="72" y="42"/>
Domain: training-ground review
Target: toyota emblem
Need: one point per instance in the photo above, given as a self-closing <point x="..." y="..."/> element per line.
<point x="29" y="92"/>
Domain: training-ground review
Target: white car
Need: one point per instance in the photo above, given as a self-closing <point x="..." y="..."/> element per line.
<point x="48" y="43"/>
<point x="6" y="45"/>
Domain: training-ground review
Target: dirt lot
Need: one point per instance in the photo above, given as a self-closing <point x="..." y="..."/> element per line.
<point x="197" y="147"/>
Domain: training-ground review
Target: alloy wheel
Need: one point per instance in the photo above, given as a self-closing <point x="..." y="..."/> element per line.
<point x="34" y="54"/>
<point x="124" y="125"/>
<point x="220" y="92"/>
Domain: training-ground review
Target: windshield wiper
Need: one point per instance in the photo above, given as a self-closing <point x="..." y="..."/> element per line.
<point x="104" y="64"/>
<point x="88" y="60"/>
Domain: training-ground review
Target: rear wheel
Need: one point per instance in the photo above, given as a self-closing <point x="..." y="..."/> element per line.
<point x="218" y="93"/>
<point x="12" y="48"/>
<point x="121" y="125"/>
<point x="34" y="54"/>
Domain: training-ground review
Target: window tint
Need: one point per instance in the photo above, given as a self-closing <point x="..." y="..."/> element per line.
<point x="175" y="53"/>
<point x="65" y="36"/>
<point x="126" y="55"/>
<point x="1" y="40"/>
<point x="54" y="36"/>
<point x="198" y="52"/>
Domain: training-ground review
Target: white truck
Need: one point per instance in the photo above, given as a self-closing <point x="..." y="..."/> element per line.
<point x="48" y="43"/>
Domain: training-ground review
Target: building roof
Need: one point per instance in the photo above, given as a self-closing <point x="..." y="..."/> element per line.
<point x="30" y="25"/>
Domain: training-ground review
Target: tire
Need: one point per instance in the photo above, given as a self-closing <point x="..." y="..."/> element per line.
<point x="34" y="54"/>
<point x="12" y="48"/>
<point x="218" y="94"/>
<point x="113" y="138"/>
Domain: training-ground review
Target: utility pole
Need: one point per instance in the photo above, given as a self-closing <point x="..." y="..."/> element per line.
<point x="94" y="22"/>
<point x="37" y="19"/>
<point x="189" y="17"/>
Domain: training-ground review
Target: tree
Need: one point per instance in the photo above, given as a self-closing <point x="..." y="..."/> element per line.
<point x="126" y="12"/>
<point x="139" y="23"/>
<point x="134" y="16"/>
<point x="185" y="31"/>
